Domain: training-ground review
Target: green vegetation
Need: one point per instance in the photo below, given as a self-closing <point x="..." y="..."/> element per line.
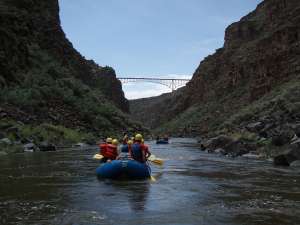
<point x="58" y="135"/>
<point x="55" y="134"/>
<point x="50" y="90"/>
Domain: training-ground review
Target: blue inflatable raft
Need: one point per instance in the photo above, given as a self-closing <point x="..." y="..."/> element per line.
<point x="118" y="169"/>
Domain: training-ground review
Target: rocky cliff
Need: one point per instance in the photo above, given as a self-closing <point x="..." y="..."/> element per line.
<point x="253" y="79"/>
<point x="43" y="79"/>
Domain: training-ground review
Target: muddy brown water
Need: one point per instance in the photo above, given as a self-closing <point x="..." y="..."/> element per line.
<point x="193" y="187"/>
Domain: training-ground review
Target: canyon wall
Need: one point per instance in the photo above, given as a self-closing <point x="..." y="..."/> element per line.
<point x="43" y="79"/>
<point x="252" y="79"/>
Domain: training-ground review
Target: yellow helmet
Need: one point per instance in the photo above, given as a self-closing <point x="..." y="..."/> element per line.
<point x="109" y="140"/>
<point x="130" y="142"/>
<point x="138" y="137"/>
<point x="115" y="142"/>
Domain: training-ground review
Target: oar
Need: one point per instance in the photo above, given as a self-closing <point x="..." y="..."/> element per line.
<point x="155" y="160"/>
<point x="98" y="156"/>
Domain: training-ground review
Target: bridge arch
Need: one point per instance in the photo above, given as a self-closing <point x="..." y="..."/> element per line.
<point x="171" y="83"/>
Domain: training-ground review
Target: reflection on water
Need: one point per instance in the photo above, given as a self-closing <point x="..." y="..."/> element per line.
<point x="191" y="188"/>
<point x="136" y="191"/>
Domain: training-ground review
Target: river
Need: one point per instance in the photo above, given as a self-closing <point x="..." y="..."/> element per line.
<point x="192" y="187"/>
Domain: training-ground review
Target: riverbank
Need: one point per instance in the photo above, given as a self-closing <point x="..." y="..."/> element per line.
<point x="283" y="151"/>
<point x="16" y="137"/>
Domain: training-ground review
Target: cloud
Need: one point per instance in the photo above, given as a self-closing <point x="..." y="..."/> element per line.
<point x="143" y="90"/>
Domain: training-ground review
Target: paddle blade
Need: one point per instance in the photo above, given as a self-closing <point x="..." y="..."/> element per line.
<point x="152" y="178"/>
<point x="155" y="160"/>
<point x="98" y="156"/>
<point x="158" y="161"/>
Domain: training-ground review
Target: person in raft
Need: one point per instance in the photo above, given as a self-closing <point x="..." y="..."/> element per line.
<point x="125" y="139"/>
<point x="109" y="150"/>
<point x="124" y="142"/>
<point x="125" y="150"/>
<point x="139" y="151"/>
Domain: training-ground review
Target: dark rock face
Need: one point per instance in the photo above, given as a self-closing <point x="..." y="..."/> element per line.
<point x="28" y="26"/>
<point x="43" y="79"/>
<point x="259" y="54"/>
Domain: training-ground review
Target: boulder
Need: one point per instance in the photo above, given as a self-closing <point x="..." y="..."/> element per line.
<point x="2" y="135"/>
<point x="12" y="130"/>
<point x="2" y="153"/>
<point x="228" y="146"/>
<point x="30" y="147"/>
<point x="3" y="114"/>
<point x="286" y="158"/>
<point x="80" y="145"/>
<point x="281" y="139"/>
<point x="236" y="148"/>
<point x="218" y="142"/>
<point x="255" y="127"/>
<point x="297" y="130"/>
<point x="5" y="141"/>
<point x="202" y="147"/>
<point x="199" y="140"/>
<point x="252" y="155"/>
<point x="220" y="151"/>
<point x="46" y="147"/>
<point x="263" y="134"/>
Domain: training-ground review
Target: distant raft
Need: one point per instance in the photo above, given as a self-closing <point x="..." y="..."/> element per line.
<point x="124" y="169"/>
<point x="162" y="142"/>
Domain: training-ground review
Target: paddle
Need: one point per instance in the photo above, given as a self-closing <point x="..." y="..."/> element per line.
<point x="98" y="156"/>
<point x="156" y="160"/>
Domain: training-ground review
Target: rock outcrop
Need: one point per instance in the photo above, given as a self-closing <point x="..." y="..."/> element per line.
<point x="289" y="156"/>
<point x="251" y="85"/>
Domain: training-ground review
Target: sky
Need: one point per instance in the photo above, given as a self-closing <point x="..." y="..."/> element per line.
<point x="150" y="38"/>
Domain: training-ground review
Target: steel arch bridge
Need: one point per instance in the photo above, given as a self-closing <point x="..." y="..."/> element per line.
<point x="171" y="83"/>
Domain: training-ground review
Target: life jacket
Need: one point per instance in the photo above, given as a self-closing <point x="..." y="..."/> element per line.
<point x="102" y="148"/>
<point x="137" y="152"/>
<point x="111" y="151"/>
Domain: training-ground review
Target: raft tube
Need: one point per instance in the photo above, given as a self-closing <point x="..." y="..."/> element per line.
<point x="128" y="169"/>
<point x="162" y="142"/>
